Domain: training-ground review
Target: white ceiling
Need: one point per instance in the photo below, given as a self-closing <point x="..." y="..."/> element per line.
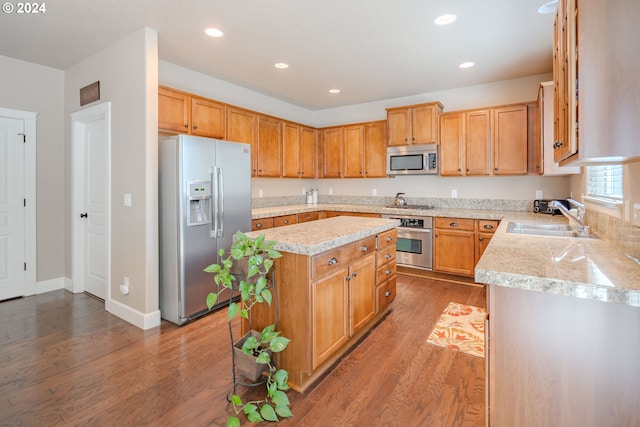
<point x="370" y="49"/>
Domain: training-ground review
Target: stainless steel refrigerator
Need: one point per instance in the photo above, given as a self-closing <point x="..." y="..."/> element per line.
<point x="205" y="197"/>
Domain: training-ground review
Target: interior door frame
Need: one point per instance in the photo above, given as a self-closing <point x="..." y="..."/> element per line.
<point x="30" y="127"/>
<point x="78" y="121"/>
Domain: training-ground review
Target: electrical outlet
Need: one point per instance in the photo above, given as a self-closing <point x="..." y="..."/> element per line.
<point x="124" y="288"/>
<point x="331" y="191"/>
<point x="304" y="191"/>
<point x="127" y="199"/>
<point x="260" y="193"/>
<point x="538" y="194"/>
<point x="454" y="194"/>
<point x="374" y="192"/>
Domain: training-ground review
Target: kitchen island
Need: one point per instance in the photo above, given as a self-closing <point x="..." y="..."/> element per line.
<point x="335" y="282"/>
<point x="563" y="328"/>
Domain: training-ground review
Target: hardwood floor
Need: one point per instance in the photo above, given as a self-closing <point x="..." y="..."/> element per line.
<point x="65" y="361"/>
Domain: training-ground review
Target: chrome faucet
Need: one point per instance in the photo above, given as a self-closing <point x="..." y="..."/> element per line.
<point x="578" y="218"/>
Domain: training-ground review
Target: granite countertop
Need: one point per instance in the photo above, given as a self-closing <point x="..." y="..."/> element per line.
<point x="314" y="237"/>
<point x="594" y="269"/>
<point x="589" y="268"/>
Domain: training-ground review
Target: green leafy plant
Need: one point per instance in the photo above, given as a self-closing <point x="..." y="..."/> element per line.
<point x="252" y="260"/>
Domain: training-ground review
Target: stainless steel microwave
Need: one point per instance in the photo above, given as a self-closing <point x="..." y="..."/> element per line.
<point x="419" y="159"/>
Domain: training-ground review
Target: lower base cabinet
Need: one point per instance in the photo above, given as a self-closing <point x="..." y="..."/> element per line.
<point x="326" y="303"/>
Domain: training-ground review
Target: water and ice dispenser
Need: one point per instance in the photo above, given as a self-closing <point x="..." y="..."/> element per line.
<point x="199" y="199"/>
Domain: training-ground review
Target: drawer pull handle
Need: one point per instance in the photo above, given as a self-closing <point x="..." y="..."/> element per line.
<point x="389" y="239"/>
<point x="364" y="249"/>
<point x="453" y="224"/>
<point x="259" y="225"/>
<point x="387" y="294"/>
<point x="387" y="272"/>
<point x="488" y="227"/>
<point x="387" y="256"/>
<point x="332" y="261"/>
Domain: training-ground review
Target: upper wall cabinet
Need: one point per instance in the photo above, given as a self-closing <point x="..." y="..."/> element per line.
<point x="269" y="147"/>
<point x="600" y="82"/>
<point x="375" y="149"/>
<point x="510" y="137"/>
<point x="415" y="124"/>
<point x="330" y="164"/>
<point x="298" y="151"/>
<point x="241" y="127"/>
<point x="541" y="147"/>
<point x="180" y="112"/>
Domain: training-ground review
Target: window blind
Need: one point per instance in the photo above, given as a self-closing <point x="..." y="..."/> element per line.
<point x="605" y="181"/>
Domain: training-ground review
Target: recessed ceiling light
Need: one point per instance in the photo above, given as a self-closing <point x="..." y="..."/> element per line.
<point x="445" y="19"/>
<point x="548" y="7"/>
<point x="214" y="32"/>
<point x="467" y="64"/>
<point x="334" y="90"/>
<point x="281" y="65"/>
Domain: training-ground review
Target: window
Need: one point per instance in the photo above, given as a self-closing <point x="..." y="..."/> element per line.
<point x="605" y="182"/>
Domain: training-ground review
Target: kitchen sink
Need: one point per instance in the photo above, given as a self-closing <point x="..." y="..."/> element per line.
<point x="542" y="229"/>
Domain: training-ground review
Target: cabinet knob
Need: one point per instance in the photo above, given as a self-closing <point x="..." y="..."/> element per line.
<point x="389" y="239"/>
<point x="481" y="239"/>
<point x="387" y="272"/>
<point x="496" y="169"/>
<point x="259" y="225"/>
<point x="364" y="249"/>
<point x="387" y="256"/>
<point x="355" y="273"/>
<point x="453" y="224"/>
<point x="332" y="261"/>
<point x="195" y="126"/>
<point x="467" y="169"/>
<point x="286" y="221"/>
<point x="387" y="294"/>
<point x="186" y="125"/>
<point x="488" y="226"/>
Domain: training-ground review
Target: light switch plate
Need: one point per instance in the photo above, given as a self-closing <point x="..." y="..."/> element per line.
<point x="127" y="199"/>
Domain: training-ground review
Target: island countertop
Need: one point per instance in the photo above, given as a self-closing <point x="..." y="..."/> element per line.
<point x="314" y="237"/>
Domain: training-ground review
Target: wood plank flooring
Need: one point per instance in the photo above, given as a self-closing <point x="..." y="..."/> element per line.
<point x="65" y="361"/>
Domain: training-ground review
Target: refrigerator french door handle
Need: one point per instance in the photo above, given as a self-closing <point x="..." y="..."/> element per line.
<point x="220" y="201"/>
<point x="213" y="211"/>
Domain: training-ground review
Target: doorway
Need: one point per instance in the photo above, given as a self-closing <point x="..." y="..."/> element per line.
<point x="91" y="182"/>
<point x="17" y="203"/>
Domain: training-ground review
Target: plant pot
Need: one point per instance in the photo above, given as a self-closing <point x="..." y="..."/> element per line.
<point x="246" y="364"/>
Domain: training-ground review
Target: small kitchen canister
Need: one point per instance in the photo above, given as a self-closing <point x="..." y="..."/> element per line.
<point x="309" y="197"/>
<point x="314" y="195"/>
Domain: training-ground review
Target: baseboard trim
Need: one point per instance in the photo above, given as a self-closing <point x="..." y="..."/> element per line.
<point x="51" y="285"/>
<point x="137" y="318"/>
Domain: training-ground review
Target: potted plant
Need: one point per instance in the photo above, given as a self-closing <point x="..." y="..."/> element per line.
<point x="245" y="270"/>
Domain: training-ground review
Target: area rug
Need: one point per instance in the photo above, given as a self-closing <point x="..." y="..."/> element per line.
<point x="460" y="327"/>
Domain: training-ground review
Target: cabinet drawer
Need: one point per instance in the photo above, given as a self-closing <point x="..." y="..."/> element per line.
<point x="261" y="224"/>
<point x="487" y="225"/>
<point x="455" y="224"/>
<point x="308" y="216"/>
<point x="387" y="238"/>
<point x="280" y="221"/>
<point x="386" y="293"/>
<point x="385" y="272"/>
<point x="385" y="255"/>
<point x="333" y="260"/>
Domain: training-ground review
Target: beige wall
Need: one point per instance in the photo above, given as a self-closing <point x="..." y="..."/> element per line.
<point x="31" y="87"/>
<point x="127" y="71"/>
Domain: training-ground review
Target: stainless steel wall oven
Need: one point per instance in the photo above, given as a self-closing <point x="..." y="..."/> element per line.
<point x="414" y="247"/>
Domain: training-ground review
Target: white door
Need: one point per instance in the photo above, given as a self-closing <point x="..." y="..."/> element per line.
<point x="91" y="181"/>
<point x="12" y="200"/>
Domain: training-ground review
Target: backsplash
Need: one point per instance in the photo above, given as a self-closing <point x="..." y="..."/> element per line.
<point x="458" y="203"/>
<point x="626" y="235"/>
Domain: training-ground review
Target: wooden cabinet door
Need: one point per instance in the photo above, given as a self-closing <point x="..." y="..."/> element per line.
<point x="241" y="127"/>
<point x="454" y="252"/>
<point x="477" y="141"/>
<point x="452" y="144"/>
<point x="308" y="147"/>
<point x="353" y="146"/>
<point x="329" y="315"/>
<point x="208" y="118"/>
<point x="332" y="152"/>
<point x="173" y="110"/>
<point x="362" y="287"/>
<point x="510" y="140"/>
<point x="482" y="242"/>
<point x="290" y="150"/>
<point x="424" y="124"/>
<point x="399" y="126"/>
<point x="375" y="149"/>
<point x="269" y="146"/>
